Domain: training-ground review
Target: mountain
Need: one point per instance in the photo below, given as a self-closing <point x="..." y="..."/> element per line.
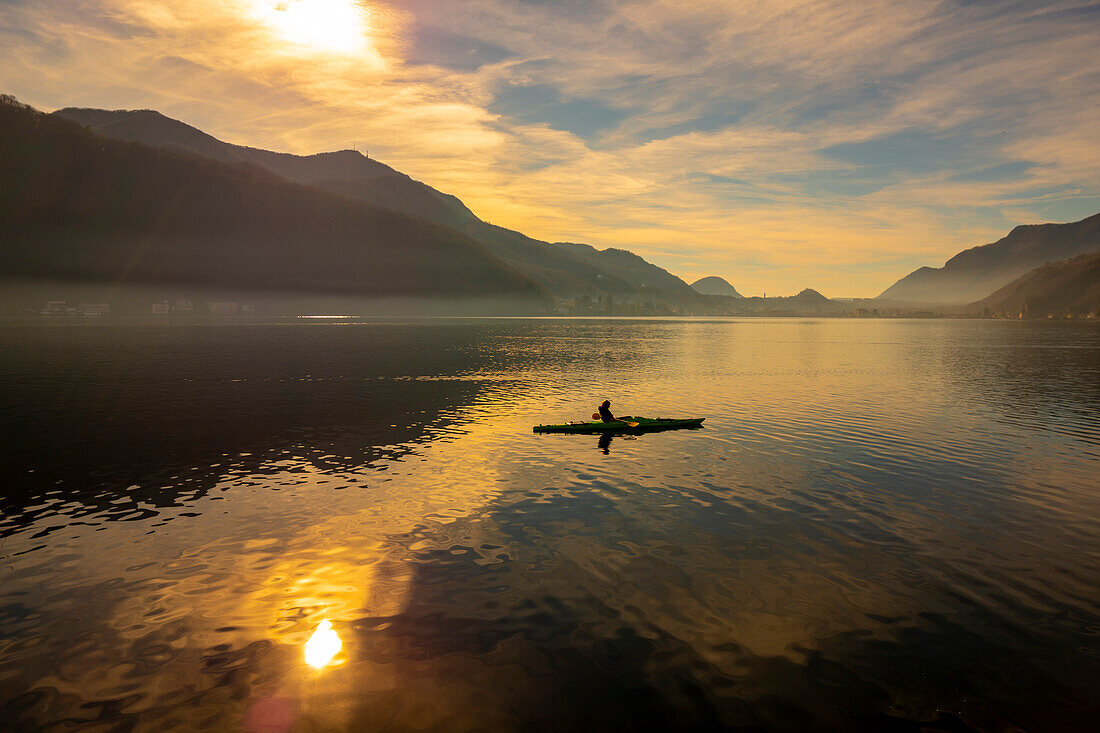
<point x="149" y="127"/>
<point x="807" y="302"/>
<point x="80" y="208"/>
<point x="715" y="285"/>
<point x="347" y="172"/>
<point x="1069" y="287"/>
<point x="627" y="266"/>
<point x="977" y="272"/>
<point x="809" y="296"/>
<point x="565" y="269"/>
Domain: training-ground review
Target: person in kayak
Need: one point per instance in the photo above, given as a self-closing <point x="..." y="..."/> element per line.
<point x="605" y="412"/>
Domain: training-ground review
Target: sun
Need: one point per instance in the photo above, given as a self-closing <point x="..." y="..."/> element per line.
<point x="327" y="26"/>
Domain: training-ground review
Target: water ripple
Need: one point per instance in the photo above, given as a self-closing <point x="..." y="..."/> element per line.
<point x="883" y="525"/>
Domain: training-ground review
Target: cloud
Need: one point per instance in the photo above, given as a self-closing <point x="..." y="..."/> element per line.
<point x="827" y="143"/>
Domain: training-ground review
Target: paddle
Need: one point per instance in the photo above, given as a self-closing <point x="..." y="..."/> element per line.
<point x="596" y="416"/>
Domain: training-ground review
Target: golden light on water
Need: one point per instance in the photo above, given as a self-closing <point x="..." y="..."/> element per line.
<point x="328" y="26"/>
<point x="323" y="645"/>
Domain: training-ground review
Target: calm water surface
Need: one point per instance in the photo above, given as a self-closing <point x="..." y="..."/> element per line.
<point x="883" y="525"/>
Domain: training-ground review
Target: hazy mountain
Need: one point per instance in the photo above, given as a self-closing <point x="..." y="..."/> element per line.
<point x="1059" y="288"/>
<point x="807" y="302"/>
<point x="715" y="285"/>
<point x="401" y="193"/>
<point x="628" y="266"/>
<point x="810" y="296"/>
<point x="565" y="269"/>
<point x="977" y="272"/>
<point x="77" y="207"/>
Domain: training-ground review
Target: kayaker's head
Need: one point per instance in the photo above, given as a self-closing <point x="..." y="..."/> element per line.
<point x="606" y="403"/>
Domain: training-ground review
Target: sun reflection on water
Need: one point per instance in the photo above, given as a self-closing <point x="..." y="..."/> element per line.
<point x="323" y="645"/>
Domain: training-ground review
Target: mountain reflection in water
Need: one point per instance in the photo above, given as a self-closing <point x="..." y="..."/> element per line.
<point x="886" y="525"/>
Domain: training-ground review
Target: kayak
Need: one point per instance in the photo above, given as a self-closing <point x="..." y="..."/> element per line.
<point x="644" y="425"/>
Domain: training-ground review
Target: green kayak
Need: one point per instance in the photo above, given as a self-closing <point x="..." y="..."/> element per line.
<point x="623" y="425"/>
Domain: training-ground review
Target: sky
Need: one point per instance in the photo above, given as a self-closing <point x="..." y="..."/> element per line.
<point x="781" y="144"/>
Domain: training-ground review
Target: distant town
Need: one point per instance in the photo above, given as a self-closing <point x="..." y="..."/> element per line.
<point x="179" y="306"/>
<point x="582" y="306"/>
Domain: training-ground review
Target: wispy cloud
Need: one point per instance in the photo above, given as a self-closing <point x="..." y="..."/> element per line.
<point x="823" y="143"/>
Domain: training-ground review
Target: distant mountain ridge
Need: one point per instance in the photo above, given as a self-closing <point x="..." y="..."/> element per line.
<point x="977" y="272"/>
<point x="715" y="285"/>
<point x="81" y="208"/>
<point x="333" y="171"/>
<point x="564" y="269"/>
<point x="1069" y="287"/>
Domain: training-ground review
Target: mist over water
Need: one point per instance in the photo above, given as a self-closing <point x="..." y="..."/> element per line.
<point x="883" y="525"/>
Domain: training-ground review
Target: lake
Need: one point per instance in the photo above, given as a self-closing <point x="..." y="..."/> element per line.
<point x="883" y="525"/>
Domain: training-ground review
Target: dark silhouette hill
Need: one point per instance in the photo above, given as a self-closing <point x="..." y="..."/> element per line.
<point x="715" y="285"/>
<point x="347" y="172"/>
<point x="83" y="208"/>
<point x="565" y="269"/>
<point x="1069" y="287"/>
<point x="152" y="128"/>
<point x="977" y="272"/>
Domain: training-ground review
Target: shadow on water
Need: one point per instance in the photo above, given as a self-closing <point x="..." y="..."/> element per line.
<point x="111" y="416"/>
<point x="604" y="441"/>
<point x="115" y="417"/>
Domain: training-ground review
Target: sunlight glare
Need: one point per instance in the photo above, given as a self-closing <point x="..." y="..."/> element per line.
<point x="323" y="645"/>
<point x="332" y="26"/>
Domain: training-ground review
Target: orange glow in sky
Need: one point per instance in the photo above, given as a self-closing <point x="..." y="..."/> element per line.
<point x="781" y="145"/>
